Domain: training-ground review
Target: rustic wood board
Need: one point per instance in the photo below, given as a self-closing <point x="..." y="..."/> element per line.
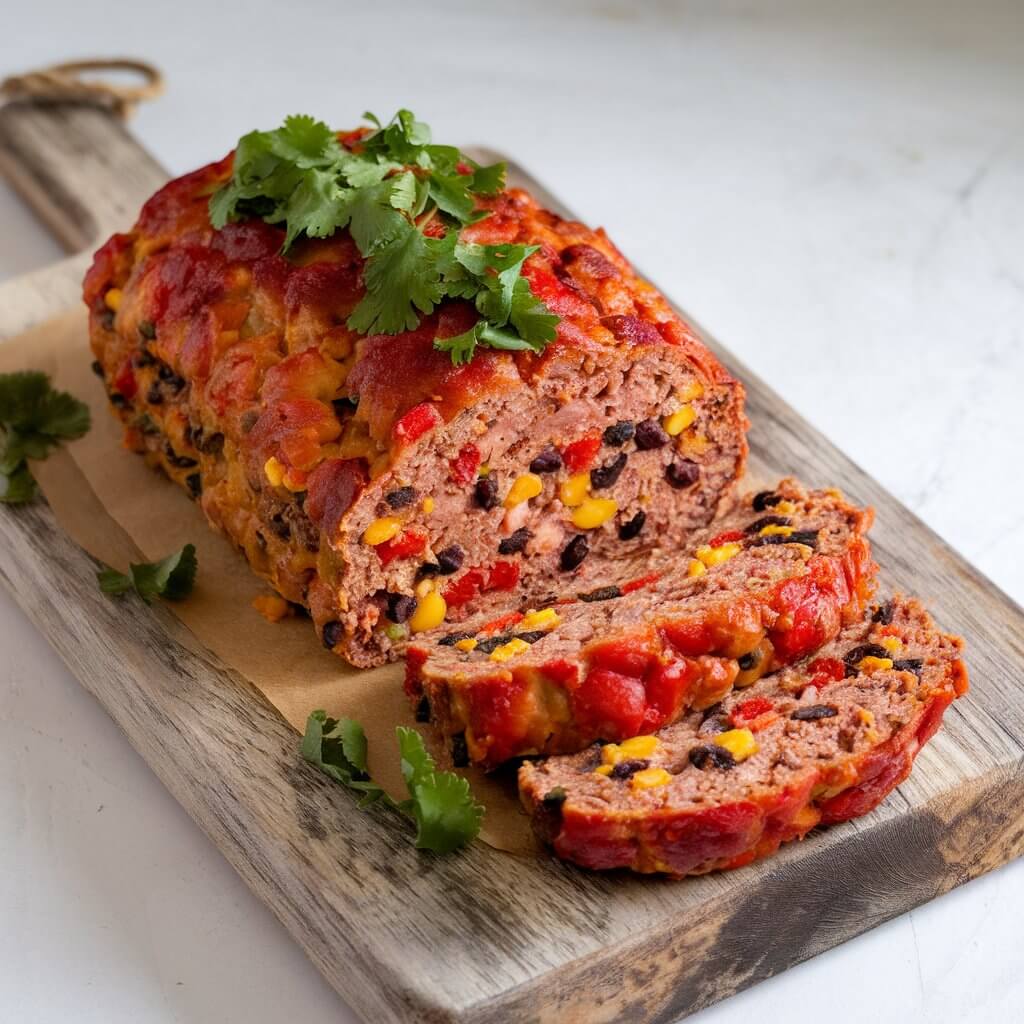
<point x="482" y="936"/>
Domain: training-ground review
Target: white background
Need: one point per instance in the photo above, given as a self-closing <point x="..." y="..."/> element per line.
<point x="835" y="190"/>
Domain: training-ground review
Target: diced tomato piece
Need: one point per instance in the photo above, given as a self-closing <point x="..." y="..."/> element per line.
<point x="826" y="670"/>
<point x="690" y="638"/>
<point x="405" y="545"/>
<point x="125" y="381"/>
<point x="416" y="422"/>
<point x="725" y="537"/>
<point x="751" y="709"/>
<point x="621" y="656"/>
<point x="609" y="704"/>
<point x="504" y="576"/>
<point x="639" y="584"/>
<point x="462" y="469"/>
<point x="464" y="589"/>
<point x="579" y="456"/>
<point x="666" y="687"/>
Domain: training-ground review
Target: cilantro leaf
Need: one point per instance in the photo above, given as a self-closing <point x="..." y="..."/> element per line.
<point x="172" y="578"/>
<point x="338" y="748"/>
<point x="490" y="180"/>
<point x="17" y="487"/>
<point x="534" y="322"/>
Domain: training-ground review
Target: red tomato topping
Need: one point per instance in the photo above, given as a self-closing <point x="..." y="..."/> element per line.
<point x="610" y="704"/>
<point x="751" y="709"/>
<point x="690" y="638"/>
<point x="725" y="537"/>
<point x="667" y="686"/>
<point x="332" y="488"/>
<point x="405" y="545"/>
<point x="826" y="670"/>
<point x="111" y="256"/>
<point x="462" y="469"/>
<point x="125" y="381"/>
<point x="416" y="422"/>
<point x="579" y="456"/>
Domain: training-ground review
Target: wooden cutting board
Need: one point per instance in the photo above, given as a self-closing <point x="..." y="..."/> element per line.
<point x="483" y="936"/>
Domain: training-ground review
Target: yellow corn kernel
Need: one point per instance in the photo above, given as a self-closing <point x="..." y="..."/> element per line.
<point x="649" y="778"/>
<point x="295" y="482"/>
<point x="271" y="607"/>
<point x="510" y="650"/>
<point x="593" y="512"/>
<point x="466" y="644"/>
<point x="573" y="491"/>
<point x="772" y="530"/>
<point x="610" y="754"/>
<point x="690" y="390"/>
<point x="675" y="423"/>
<point x="866" y="716"/>
<point x="545" y="618"/>
<point x="274" y="471"/>
<point x="523" y="488"/>
<point x="784" y="508"/>
<point x="739" y="742"/>
<point x="429" y="614"/>
<point x="484" y="469"/>
<point x="423" y="588"/>
<point x="603" y="769"/>
<point x="113" y="299"/>
<point x="870" y="664"/>
<point x="381" y="530"/>
<point x="716" y="556"/>
<point x="893" y="644"/>
<point x="428" y="506"/>
<point x="639" y="746"/>
<point x="696" y="568"/>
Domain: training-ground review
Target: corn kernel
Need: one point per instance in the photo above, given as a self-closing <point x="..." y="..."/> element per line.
<point x="484" y="469"/>
<point x="870" y="664"/>
<point x="716" y="556"/>
<point x="610" y="754"/>
<point x="866" y="716"/>
<point x="639" y="746"/>
<point x="428" y="506"/>
<point x="694" y="443"/>
<point x="603" y="769"/>
<point x="381" y="530"/>
<point x="690" y="390"/>
<point x="739" y="742"/>
<point x="465" y="644"/>
<point x="593" y="512"/>
<point x="294" y="480"/>
<point x="429" y="614"/>
<point x="113" y="298"/>
<point x="271" y="607"/>
<point x="696" y="568"/>
<point x="545" y="618"/>
<point x="649" y="778"/>
<point x="773" y="530"/>
<point x="574" y="490"/>
<point x="784" y="508"/>
<point x="677" y="422"/>
<point x="510" y="650"/>
<point x="893" y="644"/>
<point x="423" y="588"/>
<point x="274" y="471"/>
<point x="525" y="487"/>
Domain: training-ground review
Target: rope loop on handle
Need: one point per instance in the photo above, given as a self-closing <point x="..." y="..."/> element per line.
<point x="65" y="83"/>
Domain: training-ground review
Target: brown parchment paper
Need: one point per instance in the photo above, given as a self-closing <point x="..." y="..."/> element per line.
<point x="95" y="480"/>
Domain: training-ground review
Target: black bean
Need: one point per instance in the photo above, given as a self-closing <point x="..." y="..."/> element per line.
<point x="531" y="636"/>
<point x="118" y="401"/>
<point x="194" y="483"/>
<point x="713" y="756"/>
<point x="400" y="607"/>
<point x="248" y="420"/>
<point x="401" y="497"/>
<point x="574" y="552"/>
<point x="714" y="720"/>
<point x="759" y="524"/>
<point x="765" y="499"/>
<point x="180" y="461"/>
<point x="624" y="769"/>
<point x="280" y="526"/>
<point x="97" y="368"/>
<point x="453" y="638"/>
<point x="460" y="752"/>
<point x="147" y="329"/>
<point x="107" y="319"/>
<point x="608" y="474"/>
<point x="142" y="358"/>
<point x="331" y="634"/>
<point x="807" y="537"/>
<point x="343" y="407"/>
<point x="683" y="473"/>
<point x="423" y="710"/>
<point x="213" y="444"/>
<point x="515" y="542"/>
<point x="554" y="797"/>
<point x="450" y="559"/>
<point x="632" y="528"/>
<point x="750" y="660"/>
<point x="650" y="434"/>
<point x="883" y="614"/>
<point x="486" y="492"/>
<point x="908" y="665"/>
<point x="601" y="594"/>
<point x="428" y="569"/>
<point x="813" y="713"/>
<point x="155" y="396"/>
<point x="489" y="644"/>
<point x="619" y="433"/>
<point x="549" y="461"/>
<point x="853" y="656"/>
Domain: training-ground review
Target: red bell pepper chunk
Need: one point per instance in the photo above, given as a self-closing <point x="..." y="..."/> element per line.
<point x="462" y="469"/>
<point x="725" y="537"/>
<point x="416" y="422"/>
<point x="751" y="709"/>
<point x="579" y="456"/>
<point x="825" y="671"/>
<point x="125" y="381"/>
<point x="405" y="545"/>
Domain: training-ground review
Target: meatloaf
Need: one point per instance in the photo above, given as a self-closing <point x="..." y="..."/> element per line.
<point x="758" y="589"/>
<point x="367" y="477"/>
<point x="819" y="742"/>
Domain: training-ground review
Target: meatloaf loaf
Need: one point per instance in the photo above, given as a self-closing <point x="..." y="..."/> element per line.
<point x="819" y="742"/>
<point x="758" y="589"/>
<point x="367" y="477"/>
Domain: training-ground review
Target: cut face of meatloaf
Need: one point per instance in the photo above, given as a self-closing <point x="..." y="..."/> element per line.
<point x="819" y="742"/>
<point x="606" y="660"/>
<point x="370" y="479"/>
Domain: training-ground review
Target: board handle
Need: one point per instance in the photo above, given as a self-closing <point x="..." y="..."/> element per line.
<point x="78" y="167"/>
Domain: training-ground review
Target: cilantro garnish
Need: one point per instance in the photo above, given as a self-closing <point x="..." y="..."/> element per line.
<point x="387" y="188"/>
<point x="34" y="419"/>
<point x="440" y="803"/>
<point x="171" y="578"/>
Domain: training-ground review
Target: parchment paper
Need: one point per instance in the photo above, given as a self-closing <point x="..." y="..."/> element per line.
<point x="96" y="480"/>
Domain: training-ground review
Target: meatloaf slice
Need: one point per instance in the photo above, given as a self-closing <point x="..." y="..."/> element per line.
<point x="367" y="477"/>
<point x="818" y="742"/>
<point x="630" y="653"/>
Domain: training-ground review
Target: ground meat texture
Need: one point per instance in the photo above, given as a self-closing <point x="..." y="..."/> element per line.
<point x="634" y="655"/>
<point x="800" y="768"/>
<point x="239" y="359"/>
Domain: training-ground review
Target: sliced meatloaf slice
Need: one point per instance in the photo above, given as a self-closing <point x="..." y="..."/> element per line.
<point x="629" y="654"/>
<point x="818" y="742"/>
<point x="367" y="477"/>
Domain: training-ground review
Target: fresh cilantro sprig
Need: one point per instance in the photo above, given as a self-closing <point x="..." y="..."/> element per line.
<point x="34" y="419"/>
<point x="404" y="200"/>
<point x="172" y="578"/>
<point x="440" y="803"/>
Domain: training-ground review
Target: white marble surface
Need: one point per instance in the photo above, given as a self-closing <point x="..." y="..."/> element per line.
<point x="835" y="190"/>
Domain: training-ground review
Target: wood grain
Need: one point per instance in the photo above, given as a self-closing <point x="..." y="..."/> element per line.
<point x="482" y="936"/>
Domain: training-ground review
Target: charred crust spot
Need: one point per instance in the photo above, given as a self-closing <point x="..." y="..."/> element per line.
<point x="423" y="710"/>
<point x="574" y="552"/>
<point x="682" y="473"/>
<point x="400" y="607"/>
<point x="548" y="461"/>
<point x="814" y="713"/>
<point x="450" y="560"/>
<point x="765" y="499"/>
<point x="624" y="769"/>
<point x="608" y="474"/>
<point x="401" y="498"/>
<point x="632" y="528"/>
<point x="650" y="434"/>
<point x="601" y="594"/>
<point x="883" y="614"/>
<point x="515" y="542"/>
<point x="451" y="639"/>
<point x="759" y="524"/>
<point x="486" y="492"/>
<point x="619" y="433"/>
<point x="460" y="752"/>
<point x="331" y="634"/>
<point x="710" y="755"/>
